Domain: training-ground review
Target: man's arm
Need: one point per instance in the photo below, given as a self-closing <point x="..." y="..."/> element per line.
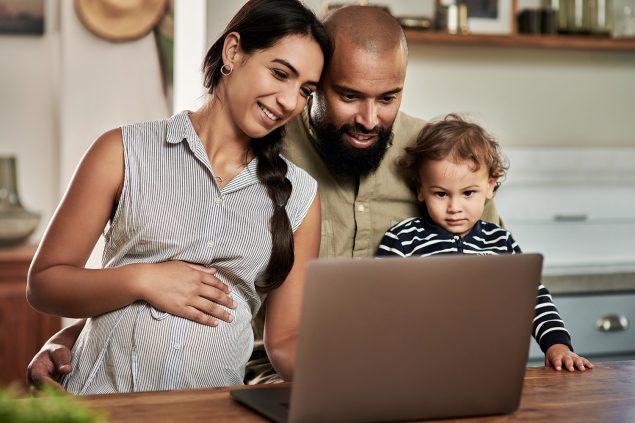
<point x="54" y="358"/>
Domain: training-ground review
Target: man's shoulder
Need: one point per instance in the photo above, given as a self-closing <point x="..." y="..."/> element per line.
<point x="297" y="145"/>
<point x="404" y="118"/>
<point x="406" y="128"/>
<point x="297" y="173"/>
<point x="408" y="124"/>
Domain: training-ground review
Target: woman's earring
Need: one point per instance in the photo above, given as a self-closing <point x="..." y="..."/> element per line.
<point x="226" y="69"/>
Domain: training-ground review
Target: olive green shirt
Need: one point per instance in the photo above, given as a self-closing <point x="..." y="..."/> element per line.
<point x="357" y="212"/>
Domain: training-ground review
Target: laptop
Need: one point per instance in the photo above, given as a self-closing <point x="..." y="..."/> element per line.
<point x="408" y="339"/>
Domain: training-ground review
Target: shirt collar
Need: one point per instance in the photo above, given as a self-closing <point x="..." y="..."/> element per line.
<point x="180" y="128"/>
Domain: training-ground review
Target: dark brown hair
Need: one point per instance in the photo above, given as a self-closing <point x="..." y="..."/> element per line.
<point x="457" y="139"/>
<point x="261" y="24"/>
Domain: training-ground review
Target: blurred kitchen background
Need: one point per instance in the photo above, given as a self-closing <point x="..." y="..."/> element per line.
<point x="560" y="99"/>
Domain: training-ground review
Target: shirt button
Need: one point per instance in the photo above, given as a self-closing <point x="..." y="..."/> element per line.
<point x="218" y="200"/>
<point x="210" y="244"/>
<point x="361" y="208"/>
<point x="177" y="346"/>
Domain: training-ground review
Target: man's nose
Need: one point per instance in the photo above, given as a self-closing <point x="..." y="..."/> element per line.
<point x="367" y="115"/>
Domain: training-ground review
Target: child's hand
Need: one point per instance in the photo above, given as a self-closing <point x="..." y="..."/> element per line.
<point x="559" y="356"/>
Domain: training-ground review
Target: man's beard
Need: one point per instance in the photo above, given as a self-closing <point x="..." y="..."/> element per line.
<point x="345" y="160"/>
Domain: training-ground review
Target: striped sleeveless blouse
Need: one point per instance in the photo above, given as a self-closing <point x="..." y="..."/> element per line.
<point x="171" y="209"/>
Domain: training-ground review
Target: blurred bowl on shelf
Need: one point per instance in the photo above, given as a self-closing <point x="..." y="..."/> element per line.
<point x="16" y="226"/>
<point x="415" y="22"/>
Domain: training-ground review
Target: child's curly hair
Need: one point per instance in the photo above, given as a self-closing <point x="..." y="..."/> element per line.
<point x="457" y="139"/>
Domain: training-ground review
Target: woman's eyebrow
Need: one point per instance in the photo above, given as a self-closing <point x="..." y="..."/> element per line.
<point x="293" y="70"/>
<point x="287" y="64"/>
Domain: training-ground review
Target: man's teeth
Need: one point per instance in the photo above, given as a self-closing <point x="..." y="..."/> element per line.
<point x="363" y="137"/>
<point x="269" y="114"/>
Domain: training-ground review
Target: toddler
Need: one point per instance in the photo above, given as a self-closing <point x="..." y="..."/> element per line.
<point x="454" y="168"/>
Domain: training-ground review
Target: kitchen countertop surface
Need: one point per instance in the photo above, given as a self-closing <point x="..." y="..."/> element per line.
<point x="604" y="283"/>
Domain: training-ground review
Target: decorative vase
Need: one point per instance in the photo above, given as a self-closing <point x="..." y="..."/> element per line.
<point x="16" y="223"/>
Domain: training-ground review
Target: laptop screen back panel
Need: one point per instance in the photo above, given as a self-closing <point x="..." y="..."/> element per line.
<point x="399" y="339"/>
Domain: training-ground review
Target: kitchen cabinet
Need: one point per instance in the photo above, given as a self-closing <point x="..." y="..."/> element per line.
<point x="22" y="329"/>
<point x="601" y="326"/>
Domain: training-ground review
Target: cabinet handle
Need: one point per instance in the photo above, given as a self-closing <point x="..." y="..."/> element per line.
<point x="612" y="323"/>
<point x="582" y="217"/>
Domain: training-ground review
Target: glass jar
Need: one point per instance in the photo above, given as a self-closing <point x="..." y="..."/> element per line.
<point x="560" y="8"/>
<point x="578" y="21"/>
<point x="599" y="14"/>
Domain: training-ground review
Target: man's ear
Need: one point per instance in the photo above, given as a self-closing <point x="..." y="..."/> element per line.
<point x="231" y="49"/>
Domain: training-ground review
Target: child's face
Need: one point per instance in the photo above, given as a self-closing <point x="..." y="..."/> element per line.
<point x="454" y="194"/>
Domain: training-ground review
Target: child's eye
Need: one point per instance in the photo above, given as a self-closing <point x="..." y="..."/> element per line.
<point x="440" y="194"/>
<point x="469" y="193"/>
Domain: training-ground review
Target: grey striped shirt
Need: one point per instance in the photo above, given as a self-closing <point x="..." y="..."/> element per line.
<point x="171" y="209"/>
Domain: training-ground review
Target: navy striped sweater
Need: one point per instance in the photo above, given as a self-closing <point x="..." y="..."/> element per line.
<point x="420" y="237"/>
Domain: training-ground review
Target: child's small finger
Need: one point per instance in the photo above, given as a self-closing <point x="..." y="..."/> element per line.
<point x="569" y="364"/>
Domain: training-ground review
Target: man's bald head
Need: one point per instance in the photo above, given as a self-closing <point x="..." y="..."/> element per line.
<point x="368" y="28"/>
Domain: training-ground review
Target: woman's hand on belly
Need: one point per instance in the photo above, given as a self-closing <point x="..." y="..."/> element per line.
<point x="186" y="290"/>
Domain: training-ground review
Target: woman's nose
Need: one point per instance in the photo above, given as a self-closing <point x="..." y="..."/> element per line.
<point x="288" y="99"/>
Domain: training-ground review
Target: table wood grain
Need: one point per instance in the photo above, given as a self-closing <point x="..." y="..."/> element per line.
<point x="604" y="394"/>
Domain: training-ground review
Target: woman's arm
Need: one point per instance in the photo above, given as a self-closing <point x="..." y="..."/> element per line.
<point x="59" y="284"/>
<point x="284" y="303"/>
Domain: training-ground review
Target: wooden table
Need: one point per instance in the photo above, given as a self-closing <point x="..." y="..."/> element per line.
<point x="604" y="394"/>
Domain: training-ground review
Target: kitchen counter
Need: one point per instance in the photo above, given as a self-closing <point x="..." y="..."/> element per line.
<point x="590" y="284"/>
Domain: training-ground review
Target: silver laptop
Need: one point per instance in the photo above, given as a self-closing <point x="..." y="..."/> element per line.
<point x="408" y="339"/>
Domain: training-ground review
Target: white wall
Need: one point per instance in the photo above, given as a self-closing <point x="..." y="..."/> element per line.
<point x="59" y="92"/>
<point x="103" y="85"/>
<point x="528" y="97"/>
<point x="28" y="83"/>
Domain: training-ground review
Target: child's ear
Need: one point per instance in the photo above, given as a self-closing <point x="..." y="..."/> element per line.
<point x="491" y="186"/>
<point x="420" y="196"/>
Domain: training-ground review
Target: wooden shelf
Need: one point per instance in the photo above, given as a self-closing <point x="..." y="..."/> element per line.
<point x="527" y="41"/>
